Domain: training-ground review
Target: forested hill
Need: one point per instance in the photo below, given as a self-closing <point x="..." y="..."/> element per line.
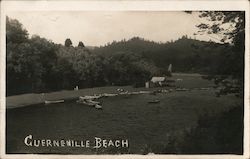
<point x="185" y="54"/>
<point x="35" y="64"/>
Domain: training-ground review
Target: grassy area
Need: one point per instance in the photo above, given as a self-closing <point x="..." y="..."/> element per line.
<point x="148" y="127"/>
<point x="188" y="81"/>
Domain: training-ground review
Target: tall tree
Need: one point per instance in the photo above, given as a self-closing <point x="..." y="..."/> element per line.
<point x="29" y="60"/>
<point x="80" y="44"/>
<point x="15" y="33"/>
<point x="68" y="42"/>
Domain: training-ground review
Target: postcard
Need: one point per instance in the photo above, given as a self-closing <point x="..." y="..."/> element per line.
<point x="128" y="79"/>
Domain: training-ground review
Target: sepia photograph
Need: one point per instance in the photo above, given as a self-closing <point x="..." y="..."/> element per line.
<point x="119" y="82"/>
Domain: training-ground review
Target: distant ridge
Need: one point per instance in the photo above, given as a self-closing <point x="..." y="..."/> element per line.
<point x="185" y="54"/>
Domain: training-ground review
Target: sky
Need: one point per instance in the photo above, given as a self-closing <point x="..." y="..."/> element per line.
<point x="97" y="28"/>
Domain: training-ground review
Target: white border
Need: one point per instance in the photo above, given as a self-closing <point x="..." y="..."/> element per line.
<point x="121" y="5"/>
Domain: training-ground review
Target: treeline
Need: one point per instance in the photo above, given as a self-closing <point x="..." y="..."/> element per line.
<point x="35" y="64"/>
<point x="185" y="54"/>
<point x="38" y="65"/>
<point x="221" y="63"/>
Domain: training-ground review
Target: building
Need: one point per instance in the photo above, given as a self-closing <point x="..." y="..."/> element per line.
<point x="156" y="82"/>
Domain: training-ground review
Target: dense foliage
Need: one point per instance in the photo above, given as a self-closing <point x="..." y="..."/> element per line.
<point x="231" y="27"/>
<point x="185" y="54"/>
<point x="29" y="61"/>
<point x="37" y="65"/>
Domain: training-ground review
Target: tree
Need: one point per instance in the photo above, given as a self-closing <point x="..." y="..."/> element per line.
<point x="17" y="47"/>
<point x="80" y="44"/>
<point x="230" y="26"/>
<point x="15" y="33"/>
<point x="126" y="68"/>
<point x="29" y="61"/>
<point x="46" y="52"/>
<point x="225" y="24"/>
<point x="63" y="70"/>
<point x="68" y="42"/>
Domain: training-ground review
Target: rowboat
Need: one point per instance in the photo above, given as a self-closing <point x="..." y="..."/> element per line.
<point x="97" y="106"/>
<point x="53" y="101"/>
<point x="109" y="95"/>
<point x="90" y="97"/>
<point x="182" y="89"/>
<point x="87" y="101"/>
<point x="90" y="102"/>
<point x="154" y="101"/>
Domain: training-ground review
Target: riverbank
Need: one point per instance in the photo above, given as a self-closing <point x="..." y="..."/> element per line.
<point x="188" y="81"/>
<point x="37" y="98"/>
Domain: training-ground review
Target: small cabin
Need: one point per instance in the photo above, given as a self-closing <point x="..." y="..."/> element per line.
<point x="159" y="80"/>
<point x="156" y="82"/>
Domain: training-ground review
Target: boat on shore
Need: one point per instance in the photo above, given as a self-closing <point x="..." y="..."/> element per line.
<point x="89" y="102"/>
<point x="154" y="101"/>
<point x="53" y="101"/>
<point x="90" y="97"/>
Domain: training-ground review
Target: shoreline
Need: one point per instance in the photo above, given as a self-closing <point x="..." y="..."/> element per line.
<point x="23" y="100"/>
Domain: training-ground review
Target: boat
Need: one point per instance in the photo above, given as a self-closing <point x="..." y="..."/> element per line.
<point x="90" y="102"/>
<point x="109" y="95"/>
<point x="154" y="101"/>
<point x="53" y="101"/>
<point x="182" y="89"/>
<point x="87" y="101"/>
<point x="84" y="101"/>
<point x="97" y="106"/>
<point x="90" y="97"/>
<point x="94" y="102"/>
<point x="144" y="92"/>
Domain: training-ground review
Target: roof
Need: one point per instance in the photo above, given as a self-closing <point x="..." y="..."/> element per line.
<point x="158" y="79"/>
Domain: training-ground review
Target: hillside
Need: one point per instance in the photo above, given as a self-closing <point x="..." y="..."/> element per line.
<point x="34" y="62"/>
<point x="186" y="55"/>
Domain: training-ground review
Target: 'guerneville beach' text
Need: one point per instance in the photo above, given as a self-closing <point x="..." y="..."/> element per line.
<point x="97" y="142"/>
